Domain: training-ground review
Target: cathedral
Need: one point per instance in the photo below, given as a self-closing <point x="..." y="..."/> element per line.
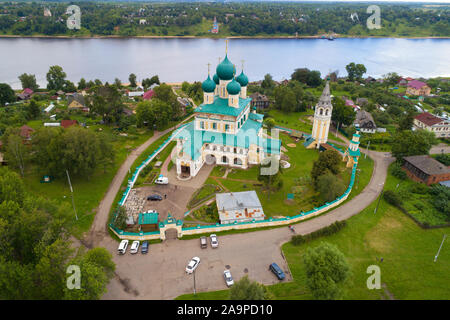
<point x="225" y="130"/>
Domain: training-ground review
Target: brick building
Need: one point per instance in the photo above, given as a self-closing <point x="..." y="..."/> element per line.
<point x="426" y="169"/>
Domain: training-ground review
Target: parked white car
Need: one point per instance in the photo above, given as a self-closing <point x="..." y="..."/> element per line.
<point x="162" y="180"/>
<point x="134" y="247"/>
<point x="122" y="247"/>
<point x="228" y="278"/>
<point x="214" y="241"/>
<point x="193" y="264"/>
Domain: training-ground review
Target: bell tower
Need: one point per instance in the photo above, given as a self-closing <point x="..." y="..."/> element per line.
<point x="322" y="117"/>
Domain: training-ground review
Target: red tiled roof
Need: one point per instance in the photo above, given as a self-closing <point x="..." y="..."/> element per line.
<point x="148" y="95"/>
<point x="416" y="84"/>
<point x="68" y="123"/>
<point x="25" y="131"/>
<point x="428" y="118"/>
<point x="27" y="91"/>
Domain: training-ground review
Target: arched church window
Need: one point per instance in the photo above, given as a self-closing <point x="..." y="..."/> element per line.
<point x="326" y="112"/>
<point x="321" y="111"/>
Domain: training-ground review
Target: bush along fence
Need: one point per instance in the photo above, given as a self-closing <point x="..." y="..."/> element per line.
<point x="172" y="223"/>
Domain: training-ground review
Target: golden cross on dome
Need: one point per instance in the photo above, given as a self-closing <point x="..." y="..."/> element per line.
<point x="209" y="64"/>
<point x="226" y="46"/>
<point x="242" y="64"/>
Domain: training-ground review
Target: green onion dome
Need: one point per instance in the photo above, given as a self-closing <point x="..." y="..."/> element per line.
<point x="233" y="87"/>
<point x="208" y="85"/>
<point x="242" y="79"/>
<point x="216" y="78"/>
<point x="225" y="70"/>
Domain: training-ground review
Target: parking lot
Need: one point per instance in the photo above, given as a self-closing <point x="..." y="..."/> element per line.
<point x="161" y="273"/>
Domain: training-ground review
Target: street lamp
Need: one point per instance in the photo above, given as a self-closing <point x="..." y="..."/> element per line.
<point x="379" y="199"/>
<point x="437" y="254"/>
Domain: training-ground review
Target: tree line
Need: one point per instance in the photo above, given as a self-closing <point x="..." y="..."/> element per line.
<point x="247" y="19"/>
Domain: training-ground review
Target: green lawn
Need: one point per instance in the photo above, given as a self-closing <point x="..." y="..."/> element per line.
<point x="407" y="270"/>
<point x="87" y="193"/>
<point x="296" y="179"/>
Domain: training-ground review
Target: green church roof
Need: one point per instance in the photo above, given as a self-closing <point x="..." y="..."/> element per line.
<point x="233" y="87"/>
<point x="246" y="136"/>
<point x="220" y="106"/>
<point x="208" y="85"/>
<point x="225" y="70"/>
<point x="242" y="79"/>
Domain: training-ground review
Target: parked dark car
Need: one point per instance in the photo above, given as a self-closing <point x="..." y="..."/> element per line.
<point x="144" y="247"/>
<point x="154" y="197"/>
<point x="203" y="243"/>
<point x="277" y="271"/>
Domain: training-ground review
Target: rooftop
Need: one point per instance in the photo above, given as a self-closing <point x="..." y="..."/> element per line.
<point x="220" y="106"/>
<point x="427" y="164"/>
<point x="246" y="136"/>
<point x="237" y="200"/>
<point x="148" y="218"/>
<point x="428" y="118"/>
<point x="416" y="84"/>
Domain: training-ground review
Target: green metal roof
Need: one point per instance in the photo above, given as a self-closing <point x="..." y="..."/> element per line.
<point x="255" y="116"/>
<point x="246" y="136"/>
<point x="220" y="106"/>
<point x="148" y="218"/>
<point x="208" y="85"/>
<point x="352" y="153"/>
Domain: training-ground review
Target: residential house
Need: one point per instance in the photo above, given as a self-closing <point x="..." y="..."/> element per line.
<point x="427" y="121"/>
<point x="68" y="123"/>
<point x="239" y="207"/>
<point x="362" y="101"/>
<point x="26" y="132"/>
<point x="418" y="88"/>
<point x="370" y="79"/>
<point x="25" y="94"/>
<point x="426" y="169"/>
<point x="148" y="95"/>
<point x="259" y="101"/>
<point x="75" y="101"/>
<point x="364" y="122"/>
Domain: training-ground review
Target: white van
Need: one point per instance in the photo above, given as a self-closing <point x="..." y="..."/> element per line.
<point x="123" y="247"/>
<point x="162" y="180"/>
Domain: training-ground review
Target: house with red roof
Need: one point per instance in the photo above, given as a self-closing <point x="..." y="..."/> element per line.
<point x="427" y="121"/>
<point x="26" y="94"/>
<point x="148" y="95"/>
<point x="68" y="123"/>
<point x="26" y="132"/>
<point x="418" y="88"/>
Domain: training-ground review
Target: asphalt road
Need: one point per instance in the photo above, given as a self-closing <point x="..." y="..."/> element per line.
<point x="160" y="274"/>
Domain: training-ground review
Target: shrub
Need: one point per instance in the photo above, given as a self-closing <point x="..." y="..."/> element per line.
<point x="326" y="231"/>
<point x="398" y="172"/>
<point x="392" y="198"/>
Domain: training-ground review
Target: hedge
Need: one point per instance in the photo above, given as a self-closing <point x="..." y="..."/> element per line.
<point x="326" y="231"/>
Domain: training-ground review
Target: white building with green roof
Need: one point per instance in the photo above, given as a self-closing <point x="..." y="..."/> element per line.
<point x="225" y="130"/>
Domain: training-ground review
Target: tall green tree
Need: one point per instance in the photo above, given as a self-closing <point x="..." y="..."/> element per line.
<point x="328" y="162"/>
<point x="132" y="79"/>
<point x="355" y="71"/>
<point x="28" y="81"/>
<point x="326" y="271"/>
<point x="56" y="78"/>
<point x="412" y="143"/>
<point x="6" y="94"/>
<point x="329" y="187"/>
<point x="342" y="114"/>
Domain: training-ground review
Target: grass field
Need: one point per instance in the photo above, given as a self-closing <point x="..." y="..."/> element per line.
<point x="407" y="270"/>
<point x="296" y="179"/>
<point x="87" y="192"/>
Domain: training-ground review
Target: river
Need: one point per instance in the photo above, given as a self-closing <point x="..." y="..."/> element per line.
<point x="176" y="60"/>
